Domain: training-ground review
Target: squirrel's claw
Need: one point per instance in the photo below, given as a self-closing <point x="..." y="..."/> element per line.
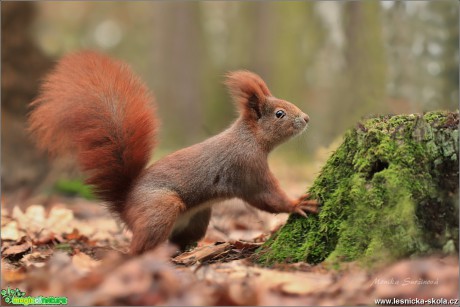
<point x="299" y="210"/>
<point x="306" y="205"/>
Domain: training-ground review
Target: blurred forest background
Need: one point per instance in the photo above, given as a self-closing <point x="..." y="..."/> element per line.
<point x="338" y="61"/>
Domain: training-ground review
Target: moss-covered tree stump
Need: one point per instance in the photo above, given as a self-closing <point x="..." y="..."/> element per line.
<point x="389" y="191"/>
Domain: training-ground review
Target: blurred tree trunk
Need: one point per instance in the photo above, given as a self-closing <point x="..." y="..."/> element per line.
<point x="298" y="36"/>
<point x="423" y="55"/>
<point x="243" y="41"/>
<point x="402" y="63"/>
<point x="446" y="19"/>
<point x="363" y="88"/>
<point x="23" y="64"/>
<point x="179" y="57"/>
<point x="278" y="41"/>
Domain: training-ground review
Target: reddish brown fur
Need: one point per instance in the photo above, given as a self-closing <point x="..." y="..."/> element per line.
<point x="242" y="85"/>
<point x="151" y="216"/>
<point x="96" y="107"/>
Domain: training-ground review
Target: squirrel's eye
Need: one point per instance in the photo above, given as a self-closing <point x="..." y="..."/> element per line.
<point x="280" y="114"/>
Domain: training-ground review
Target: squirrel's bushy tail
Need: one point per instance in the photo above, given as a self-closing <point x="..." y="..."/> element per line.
<point x="95" y="107"/>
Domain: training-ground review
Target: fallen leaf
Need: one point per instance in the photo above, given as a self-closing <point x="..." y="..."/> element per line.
<point x="36" y="259"/>
<point x="60" y="220"/>
<point x="298" y="283"/>
<point x="45" y="237"/>
<point x="35" y="218"/>
<point x="11" y="232"/>
<point x="202" y="253"/>
<point x="74" y="235"/>
<point x="16" y="250"/>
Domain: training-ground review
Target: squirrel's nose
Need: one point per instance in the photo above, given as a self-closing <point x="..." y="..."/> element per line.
<point x="306" y="118"/>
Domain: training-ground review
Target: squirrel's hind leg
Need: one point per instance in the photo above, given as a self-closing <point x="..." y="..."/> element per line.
<point x="192" y="229"/>
<point x="151" y="218"/>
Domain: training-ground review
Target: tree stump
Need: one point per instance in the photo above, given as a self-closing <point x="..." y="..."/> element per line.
<point x="389" y="191"/>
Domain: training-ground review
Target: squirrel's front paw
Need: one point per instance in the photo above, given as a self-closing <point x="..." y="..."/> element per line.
<point x="304" y="205"/>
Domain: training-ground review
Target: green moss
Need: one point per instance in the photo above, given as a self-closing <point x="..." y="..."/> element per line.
<point x="389" y="191"/>
<point x="74" y="188"/>
<point x="65" y="247"/>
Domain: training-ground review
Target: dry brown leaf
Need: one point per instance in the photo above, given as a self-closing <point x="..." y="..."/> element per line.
<point x="10" y="231"/>
<point x="60" y="220"/>
<point x="101" y="229"/>
<point x="45" y="237"/>
<point x="36" y="259"/>
<point x="151" y="280"/>
<point x="201" y="253"/>
<point x="74" y="235"/>
<point x="18" y="215"/>
<point x="299" y="283"/>
<point x="16" y="250"/>
<point x="148" y="279"/>
<point x="34" y="218"/>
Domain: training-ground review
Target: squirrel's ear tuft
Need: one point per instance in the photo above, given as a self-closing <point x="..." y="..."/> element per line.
<point x="248" y="90"/>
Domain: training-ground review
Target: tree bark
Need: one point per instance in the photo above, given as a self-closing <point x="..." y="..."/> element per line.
<point x="22" y="65"/>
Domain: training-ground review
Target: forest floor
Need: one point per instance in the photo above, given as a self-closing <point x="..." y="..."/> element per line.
<point x="71" y="247"/>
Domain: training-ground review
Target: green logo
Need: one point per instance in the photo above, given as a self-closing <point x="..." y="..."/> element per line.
<point x="18" y="297"/>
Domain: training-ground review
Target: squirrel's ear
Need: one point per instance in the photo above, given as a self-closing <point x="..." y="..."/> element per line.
<point x="249" y="92"/>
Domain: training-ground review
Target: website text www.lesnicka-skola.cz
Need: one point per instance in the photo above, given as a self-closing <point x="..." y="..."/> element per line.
<point x="416" y="301"/>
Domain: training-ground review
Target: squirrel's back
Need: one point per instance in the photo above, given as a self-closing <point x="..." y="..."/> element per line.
<point x="95" y="107"/>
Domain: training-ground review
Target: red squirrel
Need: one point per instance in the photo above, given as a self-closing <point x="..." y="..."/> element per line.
<point x="96" y="108"/>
